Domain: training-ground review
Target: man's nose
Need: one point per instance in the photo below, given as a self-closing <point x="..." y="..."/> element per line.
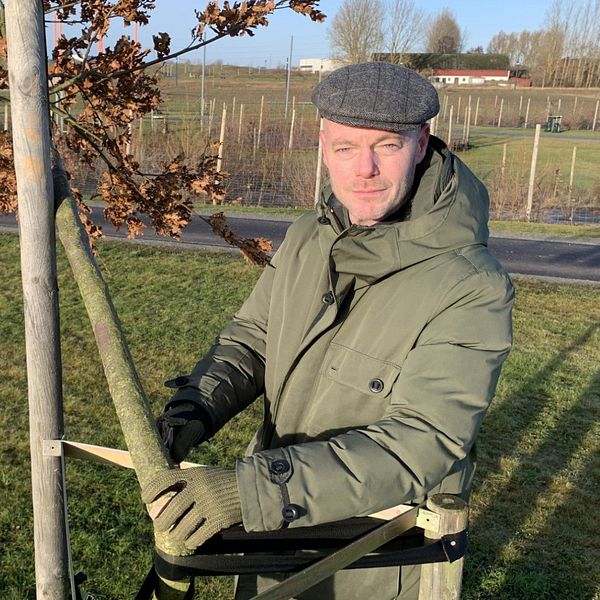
<point x="366" y="163"/>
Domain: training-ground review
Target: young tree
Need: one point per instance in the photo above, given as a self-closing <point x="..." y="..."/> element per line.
<point x="444" y="35"/>
<point x="356" y="30"/>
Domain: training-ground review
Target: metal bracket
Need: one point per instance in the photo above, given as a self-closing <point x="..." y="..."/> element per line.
<point x="52" y="448"/>
<point x="428" y="520"/>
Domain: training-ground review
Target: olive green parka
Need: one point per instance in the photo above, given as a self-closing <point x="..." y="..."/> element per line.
<point x="378" y="350"/>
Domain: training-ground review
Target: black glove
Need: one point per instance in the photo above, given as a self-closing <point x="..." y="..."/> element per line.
<point x="182" y="425"/>
<point x="206" y="500"/>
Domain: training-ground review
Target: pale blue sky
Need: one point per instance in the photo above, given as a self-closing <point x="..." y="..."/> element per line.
<point x="270" y="46"/>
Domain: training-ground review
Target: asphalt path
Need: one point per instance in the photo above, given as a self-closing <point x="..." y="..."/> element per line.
<point x="546" y="258"/>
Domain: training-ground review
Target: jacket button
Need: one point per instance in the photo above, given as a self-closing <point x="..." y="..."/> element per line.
<point x="323" y="220"/>
<point x="177" y="382"/>
<point x="376" y="385"/>
<point x="290" y="513"/>
<point x="328" y="298"/>
<point x="280" y="466"/>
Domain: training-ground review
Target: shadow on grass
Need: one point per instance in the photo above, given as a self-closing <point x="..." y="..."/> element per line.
<point x="533" y="539"/>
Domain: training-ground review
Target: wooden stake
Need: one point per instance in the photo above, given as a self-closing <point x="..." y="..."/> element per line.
<point x="291" y="137"/>
<point x="501" y="109"/>
<point x="572" y="174"/>
<point x="536" y="143"/>
<point x="221" y="141"/>
<point x="319" y="167"/>
<point x="31" y="148"/>
<point x="449" y="142"/>
<point x="260" y="120"/>
<point x="443" y="581"/>
<point x="503" y="165"/>
<point x="595" y="116"/>
<point x="527" y="113"/>
<point x="476" y="113"/>
<point x="240" y="124"/>
<point x="458" y="110"/>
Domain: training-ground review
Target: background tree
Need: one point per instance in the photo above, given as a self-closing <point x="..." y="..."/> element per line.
<point x="403" y="29"/>
<point x="443" y="34"/>
<point x="356" y="30"/>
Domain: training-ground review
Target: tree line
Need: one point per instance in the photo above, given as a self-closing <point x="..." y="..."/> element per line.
<point x="564" y="52"/>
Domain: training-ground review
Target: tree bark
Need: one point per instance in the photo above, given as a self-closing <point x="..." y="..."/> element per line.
<point x="147" y="452"/>
<point x="31" y="143"/>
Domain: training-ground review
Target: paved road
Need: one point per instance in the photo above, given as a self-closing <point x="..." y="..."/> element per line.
<point x="542" y="258"/>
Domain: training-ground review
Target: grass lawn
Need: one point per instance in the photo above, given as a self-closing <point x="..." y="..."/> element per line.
<point x="533" y="513"/>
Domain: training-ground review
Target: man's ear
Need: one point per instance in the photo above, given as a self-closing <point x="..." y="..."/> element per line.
<point x="422" y="141"/>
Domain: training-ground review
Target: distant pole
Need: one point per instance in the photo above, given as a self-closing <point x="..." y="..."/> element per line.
<point x="527" y="113"/>
<point x="449" y="142"/>
<point x="500" y="114"/>
<point x="503" y="165"/>
<point x="476" y="113"/>
<point x="31" y="146"/>
<point x="458" y="110"/>
<point x="240" y="124"/>
<point x="287" y="86"/>
<point x="595" y="116"/>
<point x="536" y="143"/>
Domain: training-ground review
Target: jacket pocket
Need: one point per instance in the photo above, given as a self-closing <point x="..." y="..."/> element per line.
<point x="351" y="391"/>
<point x="365" y="374"/>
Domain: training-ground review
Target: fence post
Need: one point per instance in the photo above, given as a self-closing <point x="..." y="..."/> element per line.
<point x="571" y="177"/>
<point x="503" y="166"/>
<point x="593" y="122"/>
<point x="501" y="109"/>
<point x="449" y="142"/>
<point x="476" y="113"/>
<point x="443" y="581"/>
<point x="536" y="143"/>
<point x="221" y="140"/>
<point x="527" y="113"/>
<point x="260" y="120"/>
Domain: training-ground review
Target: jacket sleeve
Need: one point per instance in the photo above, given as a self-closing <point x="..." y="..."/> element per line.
<point x="437" y="405"/>
<point x="231" y="375"/>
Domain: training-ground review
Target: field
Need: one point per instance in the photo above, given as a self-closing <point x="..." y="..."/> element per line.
<point x="270" y="145"/>
<point x="533" y="514"/>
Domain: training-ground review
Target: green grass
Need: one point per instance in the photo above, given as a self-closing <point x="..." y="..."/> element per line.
<point x="554" y="230"/>
<point x="534" y="509"/>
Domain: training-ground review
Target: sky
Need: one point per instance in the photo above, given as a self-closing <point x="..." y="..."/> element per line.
<point x="270" y="47"/>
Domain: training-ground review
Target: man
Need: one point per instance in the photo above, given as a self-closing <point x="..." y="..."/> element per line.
<point x="376" y="335"/>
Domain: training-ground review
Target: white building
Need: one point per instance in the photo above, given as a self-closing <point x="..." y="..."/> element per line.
<point x="319" y="65"/>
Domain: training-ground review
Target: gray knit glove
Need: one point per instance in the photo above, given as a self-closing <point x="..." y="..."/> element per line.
<point x="206" y="501"/>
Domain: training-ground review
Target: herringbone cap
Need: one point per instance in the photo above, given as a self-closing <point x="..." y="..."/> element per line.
<point x="376" y="95"/>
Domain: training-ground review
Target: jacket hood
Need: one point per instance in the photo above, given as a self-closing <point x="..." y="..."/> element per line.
<point x="448" y="210"/>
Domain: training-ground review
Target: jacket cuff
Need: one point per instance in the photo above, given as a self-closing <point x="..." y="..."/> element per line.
<point x="194" y="396"/>
<point x="262" y="482"/>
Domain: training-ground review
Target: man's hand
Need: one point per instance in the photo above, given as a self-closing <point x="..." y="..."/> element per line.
<point x="181" y="428"/>
<point x="206" y="501"/>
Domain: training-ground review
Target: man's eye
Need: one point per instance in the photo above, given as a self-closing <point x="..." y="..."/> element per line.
<point x="391" y="146"/>
<point x="343" y="149"/>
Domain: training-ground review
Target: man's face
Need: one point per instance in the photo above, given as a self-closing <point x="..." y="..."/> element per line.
<point x="371" y="170"/>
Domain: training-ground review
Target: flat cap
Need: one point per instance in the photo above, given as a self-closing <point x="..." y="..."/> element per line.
<point x="376" y="95"/>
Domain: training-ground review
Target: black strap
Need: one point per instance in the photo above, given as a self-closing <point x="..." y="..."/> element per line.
<point x="448" y="549"/>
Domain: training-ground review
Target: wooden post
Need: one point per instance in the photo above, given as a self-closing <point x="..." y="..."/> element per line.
<point x="536" y="143"/>
<point x="595" y="116"/>
<point x="572" y="174"/>
<point x="260" y="120"/>
<point x="527" y="113"/>
<point x="31" y="146"/>
<point x="458" y="110"/>
<point x="503" y="165"/>
<point x="291" y="137"/>
<point x="449" y="142"/>
<point x="221" y="140"/>
<point x="240" y="123"/>
<point x="443" y="581"/>
<point x="476" y="113"/>
<point x="319" y="166"/>
<point x="500" y="114"/>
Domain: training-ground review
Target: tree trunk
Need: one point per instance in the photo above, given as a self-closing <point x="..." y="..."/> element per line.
<point x="147" y="452"/>
<point x="31" y="142"/>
